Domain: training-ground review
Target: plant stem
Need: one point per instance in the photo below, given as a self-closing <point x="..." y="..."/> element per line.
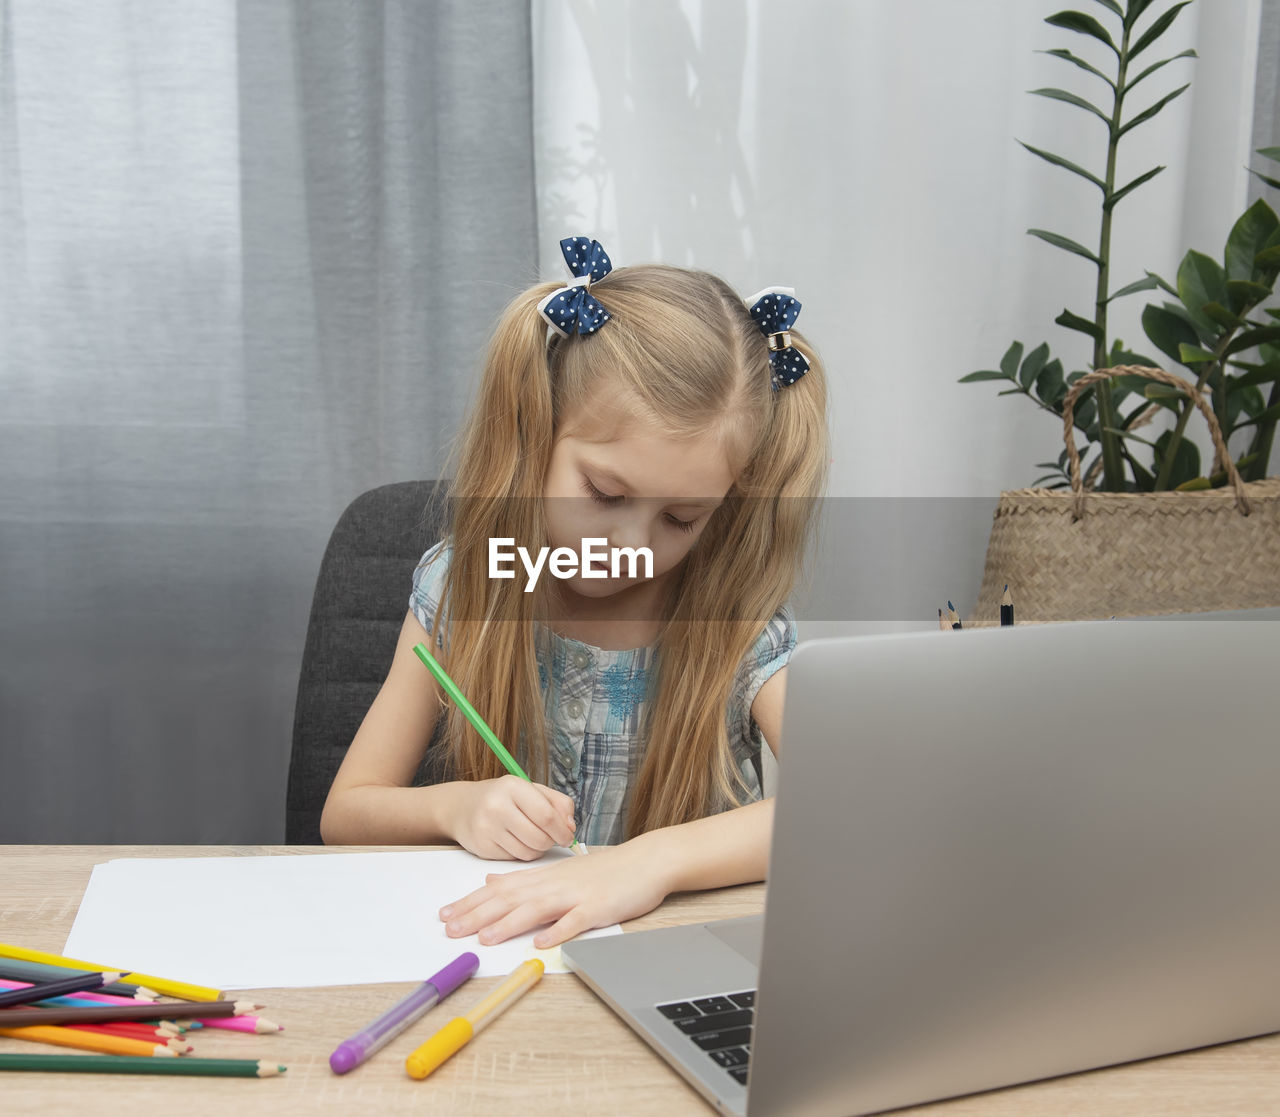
<point x="1112" y="463"/>
<point x="1166" y="465"/>
<point x="1262" y="439"/>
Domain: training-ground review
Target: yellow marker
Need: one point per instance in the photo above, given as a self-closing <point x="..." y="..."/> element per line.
<point x="455" y="1034"/>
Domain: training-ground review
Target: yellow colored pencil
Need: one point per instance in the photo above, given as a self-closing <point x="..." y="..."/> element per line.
<point x="86" y="1041"/>
<point x="182" y="989"/>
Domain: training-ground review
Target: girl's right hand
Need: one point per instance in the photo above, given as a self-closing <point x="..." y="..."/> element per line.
<point x="512" y="819"/>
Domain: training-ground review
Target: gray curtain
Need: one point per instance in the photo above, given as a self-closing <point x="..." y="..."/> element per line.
<point x="249" y="255"/>
<point x="1266" y="105"/>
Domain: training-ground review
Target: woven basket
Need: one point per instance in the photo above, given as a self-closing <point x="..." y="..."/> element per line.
<point x="1080" y="556"/>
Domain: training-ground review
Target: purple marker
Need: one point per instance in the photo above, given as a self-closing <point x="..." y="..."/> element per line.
<point x="354" y="1051"/>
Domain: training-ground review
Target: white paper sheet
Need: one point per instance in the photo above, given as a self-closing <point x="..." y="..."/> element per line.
<point x="295" y="920"/>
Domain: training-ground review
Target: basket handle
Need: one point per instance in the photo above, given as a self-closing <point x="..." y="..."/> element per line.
<point x="1215" y="432"/>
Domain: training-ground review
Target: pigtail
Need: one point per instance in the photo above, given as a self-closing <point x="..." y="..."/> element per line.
<point x="497" y="493"/>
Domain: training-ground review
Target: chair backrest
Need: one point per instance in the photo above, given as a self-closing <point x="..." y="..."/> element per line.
<point x="361" y="597"/>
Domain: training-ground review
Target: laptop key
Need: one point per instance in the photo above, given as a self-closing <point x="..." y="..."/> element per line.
<point x="678" y="1010"/>
<point x="744" y="1000"/>
<point x="731" y="1056"/>
<point x="718" y="1023"/>
<point x="730" y="1037"/>
<point x="739" y="1073"/>
<point x="711" y="1005"/>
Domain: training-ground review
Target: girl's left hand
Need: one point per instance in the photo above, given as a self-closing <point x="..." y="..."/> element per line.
<point x="610" y="884"/>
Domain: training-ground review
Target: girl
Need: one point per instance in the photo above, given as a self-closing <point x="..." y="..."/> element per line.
<point x="664" y="414"/>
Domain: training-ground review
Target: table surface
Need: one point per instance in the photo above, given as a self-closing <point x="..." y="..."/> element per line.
<point x="570" y="1055"/>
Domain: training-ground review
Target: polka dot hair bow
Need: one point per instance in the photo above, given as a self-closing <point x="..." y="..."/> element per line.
<point x="573" y="309"/>
<point x="775" y="310"/>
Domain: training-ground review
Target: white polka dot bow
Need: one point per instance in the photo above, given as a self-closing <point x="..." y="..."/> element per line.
<point x="573" y="309"/>
<point x="775" y="310"/>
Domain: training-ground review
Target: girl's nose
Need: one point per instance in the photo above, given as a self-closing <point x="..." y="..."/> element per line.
<point x="630" y="530"/>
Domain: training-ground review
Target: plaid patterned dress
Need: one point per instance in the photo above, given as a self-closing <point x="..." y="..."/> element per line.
<point x="595" y="703"/>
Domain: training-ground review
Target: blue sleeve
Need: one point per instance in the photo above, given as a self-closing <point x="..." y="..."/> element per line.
<point x="428" y="585"/>
<point x="768" y="655"/>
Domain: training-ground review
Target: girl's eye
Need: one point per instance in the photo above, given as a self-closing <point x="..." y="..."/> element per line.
<point x="596" y="495"/>
<point x="681" y="525"/>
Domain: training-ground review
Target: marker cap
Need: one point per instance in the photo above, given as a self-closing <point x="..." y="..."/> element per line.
<point x="452" y="1037"/>
<point x="455" y="973"/>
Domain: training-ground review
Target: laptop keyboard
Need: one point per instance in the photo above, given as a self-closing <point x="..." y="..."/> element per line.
<point x="720" y="1025"/>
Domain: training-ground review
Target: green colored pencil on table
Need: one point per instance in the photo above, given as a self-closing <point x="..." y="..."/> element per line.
<point x="128" y="1064"/>
<point x="478" y="723"/>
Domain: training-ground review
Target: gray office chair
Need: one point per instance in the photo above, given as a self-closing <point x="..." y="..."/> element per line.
<point x="361" y="596"/>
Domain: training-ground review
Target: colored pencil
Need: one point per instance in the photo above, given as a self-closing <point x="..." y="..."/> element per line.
<point x="954" y="616"/>
<point x="455" y="1034"/>
<point x="101" y="1014"/>
<point x="77" y="998"/>
<point x="1006" y="607"/>
<point x="87" y="1041"/>
<point x="133" y="1031"/>
<point x="77" y="983"/>
<point x="258" y="1025"/>
<point x="477" y="722"/>
<point x="160" y="984"/>
<point x="115" y="1064"/>
<point x="14" y="969"/>
<point x="941" y="623"/>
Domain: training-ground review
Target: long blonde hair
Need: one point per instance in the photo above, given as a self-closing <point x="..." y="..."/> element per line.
<point x="682" y="347"/>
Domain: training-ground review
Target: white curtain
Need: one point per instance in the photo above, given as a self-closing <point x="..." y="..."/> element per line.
<point x="864" y="152"/>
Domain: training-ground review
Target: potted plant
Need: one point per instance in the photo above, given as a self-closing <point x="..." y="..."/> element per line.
<point x="1212" y="323"/>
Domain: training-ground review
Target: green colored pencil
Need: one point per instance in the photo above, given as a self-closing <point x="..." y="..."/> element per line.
<point x="480" y="725"/>
<point x="127" y="1064"/>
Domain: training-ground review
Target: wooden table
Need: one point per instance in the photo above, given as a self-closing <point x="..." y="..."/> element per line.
<point x="569" y="1055"/>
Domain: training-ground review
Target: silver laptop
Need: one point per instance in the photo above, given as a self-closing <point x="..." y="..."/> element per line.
<point x="998" y="855"/>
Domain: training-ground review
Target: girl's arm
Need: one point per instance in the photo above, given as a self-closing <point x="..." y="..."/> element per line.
<point x="371" y="800"/>
<point x="616" y="883"/>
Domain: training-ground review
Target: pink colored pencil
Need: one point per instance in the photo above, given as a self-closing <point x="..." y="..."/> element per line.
<point x="259" y="1025"/>
<point x="125" y="1031"/>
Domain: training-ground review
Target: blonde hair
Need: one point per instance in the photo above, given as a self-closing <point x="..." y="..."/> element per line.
<point x="680" y="347"/>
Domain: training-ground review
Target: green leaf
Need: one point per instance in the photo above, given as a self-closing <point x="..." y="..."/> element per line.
<point x="1265" y="373"/>
<point x="1250" y="338"/>
<point x="1148" y="284"/>
<point x="1152" y="33"/>
<point x="1084" y="25"/>
<point x="1272" y="153"/>
<point x="985" y="374"/>
<point x="1194" y="485"/>
<point x="1248" y="237"/>
<point x="1071" y="99"/>
<point x="1274" y="183"/>
<point x="1268" y="258"/>
<point x="1085" y="415"/>
<point x="1134" y="10"/>
<point x="1059" y="241"/>
<point x="1157" y="390"/>
<point x="1163" y="284"/>
<point x="1222" y="316"/>
<point x="1152" y="69"/>
<point x="1148" y="113"/>
<point x="1010" y="361"/>
<point x="1126" y="434"/>
<point x="1067" y="56"/>
<point x="1272" y="412"/>
<point x="1112" y="6"/>
<point x="1201" y="280"/>
<point x="1167" y="330"/>
<point x="1244" y="293"/>
<point x="1066" y="165"/>
<point x="1186" y="459"/>
<point x="1193" y="355"/>
<point x="1110" y="202"/>
<point x="1050" y="386"/>
<point x="1033" y="365"/>
<point x="1075" y="322"/>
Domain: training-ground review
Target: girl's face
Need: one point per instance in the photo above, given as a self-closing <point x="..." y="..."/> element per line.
<point x="634" y="487"/>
